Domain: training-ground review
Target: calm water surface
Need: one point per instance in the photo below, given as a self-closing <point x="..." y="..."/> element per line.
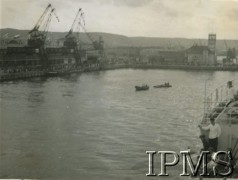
<point x="95" y="126"/>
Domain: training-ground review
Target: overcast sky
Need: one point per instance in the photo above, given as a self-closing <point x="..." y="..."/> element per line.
<point x="153" y="18"/>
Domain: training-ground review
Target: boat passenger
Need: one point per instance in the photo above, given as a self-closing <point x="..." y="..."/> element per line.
<point x="214" y="133"/>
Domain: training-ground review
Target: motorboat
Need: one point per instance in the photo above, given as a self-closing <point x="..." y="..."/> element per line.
<point x="165" y="85"/>
<point x="142" y="88"/>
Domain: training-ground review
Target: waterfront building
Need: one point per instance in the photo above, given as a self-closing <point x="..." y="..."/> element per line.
<point x="197" y="55"/>
<point x="160" y="56"/>
<point x="12" y="57"/>
<point x="123" y="55"/>
<point x="61" y="56"/>
<point x="203" y="55"/>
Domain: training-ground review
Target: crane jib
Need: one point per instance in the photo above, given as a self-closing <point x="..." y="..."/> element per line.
<point x="37" y="36"/>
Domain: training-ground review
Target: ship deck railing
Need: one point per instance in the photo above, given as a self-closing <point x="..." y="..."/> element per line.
<point x="218" y="100"/>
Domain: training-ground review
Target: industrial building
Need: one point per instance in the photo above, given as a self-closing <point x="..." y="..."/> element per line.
<point x="203" y="55"/>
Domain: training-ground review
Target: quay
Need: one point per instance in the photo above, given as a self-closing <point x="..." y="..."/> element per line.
<point x="179" y="67"/>
<point x="46" y="73"/>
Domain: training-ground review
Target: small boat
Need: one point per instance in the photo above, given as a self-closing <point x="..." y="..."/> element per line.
<point x="52" y="73"/>
<point x="165" y="85"/>
<point x="142" y="88"/>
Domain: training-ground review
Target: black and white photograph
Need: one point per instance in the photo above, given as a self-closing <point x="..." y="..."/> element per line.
<point x="119" y="89"/>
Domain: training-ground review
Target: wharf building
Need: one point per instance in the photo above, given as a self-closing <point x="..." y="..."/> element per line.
<point x="162" y="56"/>
<point x="123" y="55"/>
<point x="203" y="55"/>
<point x="18" y="53"/>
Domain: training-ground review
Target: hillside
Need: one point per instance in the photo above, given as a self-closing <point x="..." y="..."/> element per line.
<point x="114" y="40"/>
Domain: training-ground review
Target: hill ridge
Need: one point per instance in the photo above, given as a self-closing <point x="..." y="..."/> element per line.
<point x="117" y="40"/>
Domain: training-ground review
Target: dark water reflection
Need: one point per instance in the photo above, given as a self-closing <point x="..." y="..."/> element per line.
<point x="95" y="126"/>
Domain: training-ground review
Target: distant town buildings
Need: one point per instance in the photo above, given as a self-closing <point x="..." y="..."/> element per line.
<point x="196" y="55"/>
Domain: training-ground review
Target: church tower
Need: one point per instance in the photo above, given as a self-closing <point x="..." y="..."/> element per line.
<point x="212" y="42"/>
<point x="212" y="49"/>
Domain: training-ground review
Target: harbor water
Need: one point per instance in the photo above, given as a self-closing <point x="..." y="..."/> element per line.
<point x="96" y="126"/>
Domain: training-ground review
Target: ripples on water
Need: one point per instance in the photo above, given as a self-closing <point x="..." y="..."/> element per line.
<point x="95" y="126"/>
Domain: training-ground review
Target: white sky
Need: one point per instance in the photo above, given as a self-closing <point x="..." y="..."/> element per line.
<point x="151" y="18"/>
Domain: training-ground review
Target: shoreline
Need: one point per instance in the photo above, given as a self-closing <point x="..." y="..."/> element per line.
<point x="27" y="75"/>
<point x="179" y="67"/>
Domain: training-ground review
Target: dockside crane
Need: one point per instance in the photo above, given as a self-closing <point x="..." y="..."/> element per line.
<point x="70" y="40"/>
<point x="98" y="45"/>
<point x="37" y="37"/>
<point x="72" y="43"/>
<point x="230" y="54"/>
